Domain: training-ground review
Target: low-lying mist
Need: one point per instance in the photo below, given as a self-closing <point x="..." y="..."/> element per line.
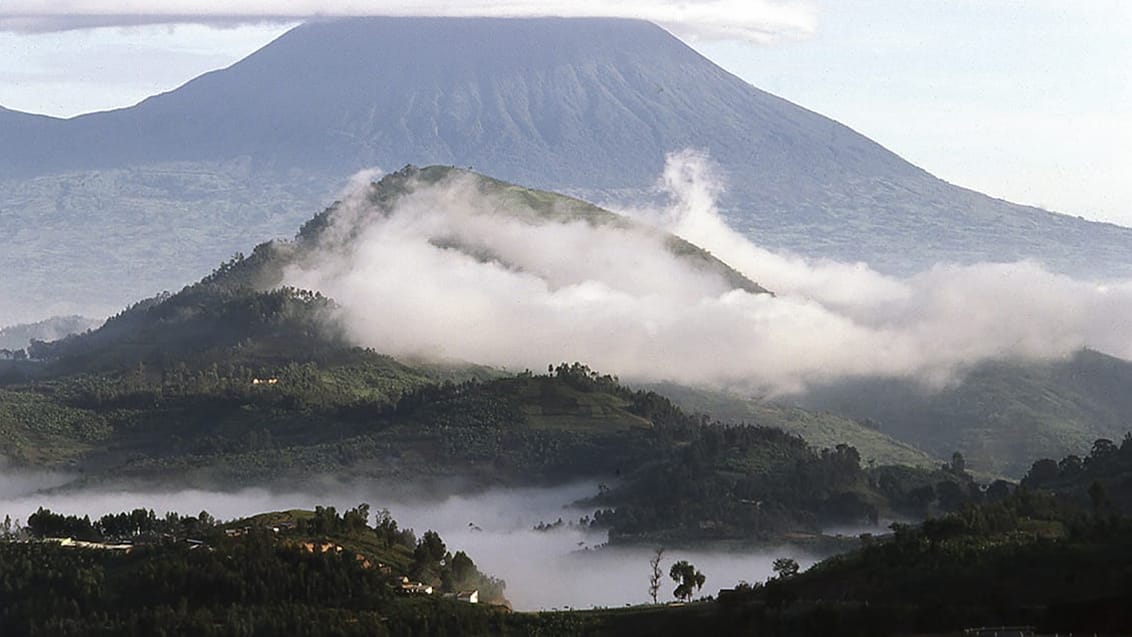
<point x="19" y="483"/>
<point x="543" y="569"/>
<point x="523" y="293"/>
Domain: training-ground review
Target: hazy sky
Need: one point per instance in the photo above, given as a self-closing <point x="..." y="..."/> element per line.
<point x="1026" y="100"/>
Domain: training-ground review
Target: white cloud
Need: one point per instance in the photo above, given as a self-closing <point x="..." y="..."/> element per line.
<point x="750" y="20"/>
<point x="619" y="300"/>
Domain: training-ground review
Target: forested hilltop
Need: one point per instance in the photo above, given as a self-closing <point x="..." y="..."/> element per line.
<point x="295" y="572"/>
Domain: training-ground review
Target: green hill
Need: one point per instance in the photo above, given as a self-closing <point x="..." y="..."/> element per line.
<point x="530" y="206"/>
<point x="241" y="302"/>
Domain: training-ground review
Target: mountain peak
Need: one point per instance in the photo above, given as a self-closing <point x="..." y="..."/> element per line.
<point x="553" y="102"/>
<point x="589" y="107"/>
<point x="505" y="200"/>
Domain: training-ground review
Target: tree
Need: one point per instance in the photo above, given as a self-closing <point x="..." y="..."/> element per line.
<point x="429" y="553"/>
<point x="950" y="495"/>
<point x="687" y="578"/>
<point x="958" y="464"/>
<point x="999" y="490"/>
<point x="657" y="574"/>
<point x="1041" y="472"/>
<point x="785" y="567"/>
<point x="1103" y="449"/>
<point x="463" y="568"/>
<point x="1070" y="466"/>
<point x="1098" y="498"/>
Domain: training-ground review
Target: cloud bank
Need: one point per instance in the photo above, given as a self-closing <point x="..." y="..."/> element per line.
<point x="749" y="20"/>
<point x="452" y="272"/>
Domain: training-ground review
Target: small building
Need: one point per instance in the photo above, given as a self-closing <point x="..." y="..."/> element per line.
<point x="72" y="543"/>
<point x="415" y="588"/>
<point x="469" y="597"/>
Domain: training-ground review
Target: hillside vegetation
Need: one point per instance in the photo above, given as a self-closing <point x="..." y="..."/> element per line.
<point x="295" y="572"/>
<point x="1001" y="415"/>
<point x="821" y="429"/>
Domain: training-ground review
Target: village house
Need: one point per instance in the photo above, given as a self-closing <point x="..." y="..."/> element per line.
<point x="415" y="588"/>
<point x="468" y="597"/>
<point x="80" y="544"/>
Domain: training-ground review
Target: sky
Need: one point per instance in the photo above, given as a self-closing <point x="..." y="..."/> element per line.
<point x="1029" y="101"/>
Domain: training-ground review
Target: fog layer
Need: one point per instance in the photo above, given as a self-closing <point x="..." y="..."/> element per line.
<point x="543" y="570"/>
<point x="619" y="300"/>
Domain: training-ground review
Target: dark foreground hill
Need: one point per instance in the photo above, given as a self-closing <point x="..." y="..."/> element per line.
<point x="586" y="105"/>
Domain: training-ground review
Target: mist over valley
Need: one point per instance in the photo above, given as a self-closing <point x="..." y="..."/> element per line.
<point x="496" y="527"/>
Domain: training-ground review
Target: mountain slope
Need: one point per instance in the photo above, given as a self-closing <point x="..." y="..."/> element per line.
<point x="822" y="430"/>
<point x="590" y="103"/>
<point x="585" y="105"/>
<point x="1002" y="415"/>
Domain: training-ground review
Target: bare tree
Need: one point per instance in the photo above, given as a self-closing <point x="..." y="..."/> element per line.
<point x="657" y="573"/>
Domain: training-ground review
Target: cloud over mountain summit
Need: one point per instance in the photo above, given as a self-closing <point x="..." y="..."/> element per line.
<point x="446" y="274"/>
<point x="748" y="20"/>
